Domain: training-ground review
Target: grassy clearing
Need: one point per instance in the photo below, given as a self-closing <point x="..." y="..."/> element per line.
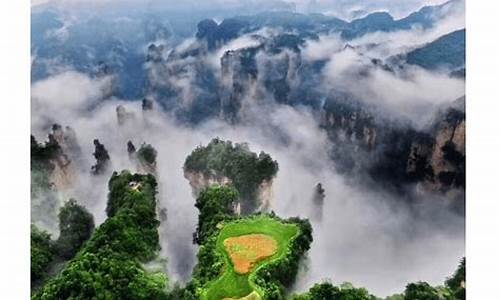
<point x="232" y="285"/>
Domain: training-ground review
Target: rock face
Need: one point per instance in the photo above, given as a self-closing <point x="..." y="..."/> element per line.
<point x="224" y="163"/>
<point x="215" y="35"/>
<point x="207" y="31"/>
<point x="64" y="161"/>
<point x="433" y="158"/>
<point x="442" y="158"/>
<point x="147" y="104"/>
<point x="123" y="116"/>
<point x="448" y="156"/>
<point x="67" y="139"/>
<point x="144" y="159"/>
<point x="239" y="74"/>
<point x="265" y="195"/>
<point x="181" y="81"/>
<point x="348" y="121"/>
<point x="273" y="70"/>
<point x="318" y="200"/>
<point x="102" y="158"/>
<point x="54" y="165"/>
<point x="200" y="181"/>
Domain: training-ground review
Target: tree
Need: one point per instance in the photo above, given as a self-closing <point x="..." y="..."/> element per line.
<point x="130" y="148"/>
<point x="41" y="154"/>
<point x="456" y="283"/>
<point x="41" y="253"/>
<point x="215" y="204"/>
<point x="76" y="225"/>
<point x="102" y="158"/>
<point x="44" y="198"/>
<point x="245" y="169"/>
<point x="147" y="153"/>
<point x="326" y="291"/>
<point x="420" y="291"/>
<point x="110" y="264"/>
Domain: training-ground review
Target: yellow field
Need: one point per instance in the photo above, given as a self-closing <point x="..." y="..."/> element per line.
<point x="248" y="245"/>
<point x="247" y="250"/>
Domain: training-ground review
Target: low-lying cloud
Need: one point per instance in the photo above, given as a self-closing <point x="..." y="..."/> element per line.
<point x="367" y="237"/>
<point x="414" y="95"/>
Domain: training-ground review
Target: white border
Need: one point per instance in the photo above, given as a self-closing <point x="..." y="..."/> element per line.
<point x="14" y="145"/>
<point x="483" y="150"/>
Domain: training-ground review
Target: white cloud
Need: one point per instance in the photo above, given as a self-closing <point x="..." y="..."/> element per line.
<point x="322" y="48"/>
<point x="346" y="8"/>
<point x="340" y="8"/>
<point x="242" y="42"/>
<point x="414" y="94"/>
<point x="365" y="239"/>
<point x="64" y="94"/>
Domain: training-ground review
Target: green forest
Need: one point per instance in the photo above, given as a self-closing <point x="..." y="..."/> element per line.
<point x="108" y="262"/>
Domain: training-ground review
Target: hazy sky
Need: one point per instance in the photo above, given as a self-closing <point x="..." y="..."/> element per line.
<point x="371" y="238"/>
<point x="341" y="8"/>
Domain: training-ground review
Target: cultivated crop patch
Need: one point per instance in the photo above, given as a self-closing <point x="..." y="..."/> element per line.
<point x="248" y="245"/>
<point x="247" y="250"/>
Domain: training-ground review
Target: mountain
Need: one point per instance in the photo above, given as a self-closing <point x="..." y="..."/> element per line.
<point x="119" y="39"/>
<point x="206" y="77"/>
<point x="379" y="21"/>
<point x="447" y="51"/>
<point x="317" y="23"/>
<point x="433" y="157"/>
<point x="424" y="18"/>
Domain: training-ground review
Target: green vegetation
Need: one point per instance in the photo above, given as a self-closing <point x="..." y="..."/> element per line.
<point x="44" y="202"/>
<point x="75" y="225"/>
<point x="42" y="253"/>
<point x="214" y="205"/>
<point x="102" y="158"/>
<point x="421" y="291"/>
<point x="127" y="191"/>
<point x="109" y="264"/>
<point x="244" y="168"/>
<point x="233" y="285"/>
<point x="456" y="283"/>
<point x="454" y="288"/>
<point x="214" y="276"/>
<point x="41" y="154"/>
<point x="147" y="154"/>
<point x="326" y="291"/>
<point x="446" y="51"/>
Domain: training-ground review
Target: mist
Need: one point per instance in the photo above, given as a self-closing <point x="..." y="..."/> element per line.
<point x="347" y="9"/>
<point x="397" y="95"/>
<point x="367" y="236"/>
